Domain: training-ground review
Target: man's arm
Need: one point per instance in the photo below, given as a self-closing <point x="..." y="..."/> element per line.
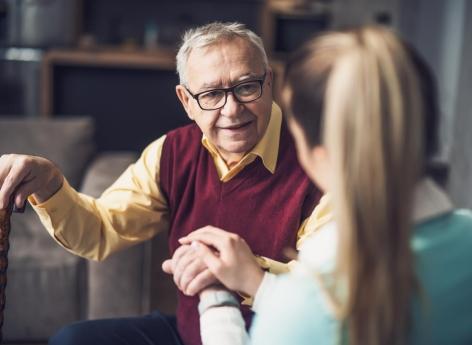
<point x="132" y="210"/>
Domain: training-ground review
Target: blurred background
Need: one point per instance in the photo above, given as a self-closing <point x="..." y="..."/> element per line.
<point x="113" y="61"/>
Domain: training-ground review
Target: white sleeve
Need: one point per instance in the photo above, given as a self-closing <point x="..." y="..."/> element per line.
<point x="223" y="325"/>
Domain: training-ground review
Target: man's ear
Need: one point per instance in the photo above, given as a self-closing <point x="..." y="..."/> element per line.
<point x="184" y="98"/>
<point x="319" y="153"/>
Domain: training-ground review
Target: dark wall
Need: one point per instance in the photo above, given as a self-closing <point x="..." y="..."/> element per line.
<point x="111" y="21"/>
<point x="131" y="107"/>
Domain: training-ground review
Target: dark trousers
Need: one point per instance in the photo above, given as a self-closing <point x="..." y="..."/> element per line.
<point x="152" y="329"/>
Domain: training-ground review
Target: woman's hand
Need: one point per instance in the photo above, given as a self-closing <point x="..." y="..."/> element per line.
<point x="228" y="257"/>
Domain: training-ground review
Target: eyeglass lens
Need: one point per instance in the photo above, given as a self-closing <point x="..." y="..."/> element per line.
<point x="245" y="92"/>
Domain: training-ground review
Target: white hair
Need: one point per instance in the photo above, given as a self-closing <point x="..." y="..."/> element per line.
<point x="213" y="33"/>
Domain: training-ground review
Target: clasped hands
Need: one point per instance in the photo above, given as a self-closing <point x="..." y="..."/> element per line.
<point x="210" y="256"/>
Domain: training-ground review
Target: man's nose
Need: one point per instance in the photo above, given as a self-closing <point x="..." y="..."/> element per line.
<point x="232" y="106"/>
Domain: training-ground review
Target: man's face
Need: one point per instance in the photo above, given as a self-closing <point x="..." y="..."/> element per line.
<point x="237" y="127"/>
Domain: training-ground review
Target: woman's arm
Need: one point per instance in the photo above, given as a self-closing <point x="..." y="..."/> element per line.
<point x="221" y="321"/>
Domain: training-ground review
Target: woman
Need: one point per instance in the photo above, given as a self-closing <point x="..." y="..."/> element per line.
<point x="393" y="266"/>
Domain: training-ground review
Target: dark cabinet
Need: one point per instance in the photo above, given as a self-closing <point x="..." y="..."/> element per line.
<point x="131" y="95"/>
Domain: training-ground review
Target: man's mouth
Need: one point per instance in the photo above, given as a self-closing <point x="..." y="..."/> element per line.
<point x="237" y="126"/>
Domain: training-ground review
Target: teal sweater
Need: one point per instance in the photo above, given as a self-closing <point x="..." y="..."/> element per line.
<point x="443" y="254"/>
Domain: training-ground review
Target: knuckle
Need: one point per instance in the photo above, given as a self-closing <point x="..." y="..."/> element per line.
<point x="227" y="241"/>
<point x="219" y="269"/>
<point x="179" y="251"/>
<point x="23" y="195"/>
<point x="21" y="163"/>
<point x="233" y="239"/>
<point x="210" y="278"/>
<point x="184" y="280"/>
<point x="9" y="179"/>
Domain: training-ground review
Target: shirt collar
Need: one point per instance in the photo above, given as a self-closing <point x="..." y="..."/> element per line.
<point x="267" y="148"/>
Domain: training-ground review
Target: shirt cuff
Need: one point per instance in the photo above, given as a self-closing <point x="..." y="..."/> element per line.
<point x="55" y="208"/>
<point x="272" y="266"/>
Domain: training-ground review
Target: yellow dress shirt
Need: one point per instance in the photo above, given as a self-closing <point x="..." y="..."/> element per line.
<point x="134" y="209"/>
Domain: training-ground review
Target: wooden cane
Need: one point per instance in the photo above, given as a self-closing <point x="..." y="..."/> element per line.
<point x="4" y="246"/>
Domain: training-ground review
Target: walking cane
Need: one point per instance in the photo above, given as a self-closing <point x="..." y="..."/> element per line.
<point x="4" y="246"/>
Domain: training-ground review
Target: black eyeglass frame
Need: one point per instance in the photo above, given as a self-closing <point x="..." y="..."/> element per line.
<point x="230" y="89"/>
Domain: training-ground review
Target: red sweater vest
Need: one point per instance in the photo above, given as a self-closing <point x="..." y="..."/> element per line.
<point x="265" y="209"/>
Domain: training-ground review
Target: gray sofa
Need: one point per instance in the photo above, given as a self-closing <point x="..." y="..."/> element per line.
<point x="49" y="287"/>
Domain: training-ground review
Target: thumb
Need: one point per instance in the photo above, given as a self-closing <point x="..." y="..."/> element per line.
<point x="167" y="266"/>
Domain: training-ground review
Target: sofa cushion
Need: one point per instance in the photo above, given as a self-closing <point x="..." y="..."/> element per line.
<point x="67" y="142"/>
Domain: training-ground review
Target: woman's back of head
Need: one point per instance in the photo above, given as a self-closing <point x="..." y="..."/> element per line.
<point x="361" y="94"/>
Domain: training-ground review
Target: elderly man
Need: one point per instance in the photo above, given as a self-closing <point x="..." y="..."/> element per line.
<point x="234" y="168"/>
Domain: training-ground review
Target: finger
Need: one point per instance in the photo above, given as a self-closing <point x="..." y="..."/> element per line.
<point x="16" y="175"/>
<point x="217" y="239"/>
<point x="23" y="191"/>
<point x="4" y="198"/>
<point x="209" y="229"/>
<point x="167" y="266"/>
<point x="5" y="166"/>
<point x="178" y="254"/>
<point x="191" y="271"/>
<point x="205" y="230"/>
<point x="203" y="280"/>
<point x="184" y="240"/>
<point x="212" y="261"/>
<point x="180" y="267"/>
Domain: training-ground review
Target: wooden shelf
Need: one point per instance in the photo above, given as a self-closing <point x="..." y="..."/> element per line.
<point x="112" y="57"/>
<point x="159" y="59"/>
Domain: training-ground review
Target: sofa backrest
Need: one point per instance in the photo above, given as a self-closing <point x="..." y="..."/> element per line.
<point x="68" y="142"/>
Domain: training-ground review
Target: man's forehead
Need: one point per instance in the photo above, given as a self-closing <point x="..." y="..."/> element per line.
<point x="215" y="81"/>
<point x="224" y="62"/>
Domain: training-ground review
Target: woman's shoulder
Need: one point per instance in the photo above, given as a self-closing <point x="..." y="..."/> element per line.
<point x="442" y="248"/>
<point x="453" y="226"/>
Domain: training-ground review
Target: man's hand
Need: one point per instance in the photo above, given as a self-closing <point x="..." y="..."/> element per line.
<point x="26" y="175"/>
<point x="233" y="263"/>
<point x="190" y="273"/>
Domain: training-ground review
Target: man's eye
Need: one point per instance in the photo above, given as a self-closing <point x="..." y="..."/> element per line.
<point x="247" y="89"/>
<point x="211" y="94"/>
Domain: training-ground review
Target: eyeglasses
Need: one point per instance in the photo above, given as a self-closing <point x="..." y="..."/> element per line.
<point x="244" y="92"/>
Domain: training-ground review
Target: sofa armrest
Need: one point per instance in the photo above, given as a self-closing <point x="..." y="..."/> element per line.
<point x="104" y="170"/>
<point x="129" y="282"/>
<point x="116" y="286"/>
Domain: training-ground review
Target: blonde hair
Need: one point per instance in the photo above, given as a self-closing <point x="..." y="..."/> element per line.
<point x="364" y="102"/>
<point x="213" y="33"/>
